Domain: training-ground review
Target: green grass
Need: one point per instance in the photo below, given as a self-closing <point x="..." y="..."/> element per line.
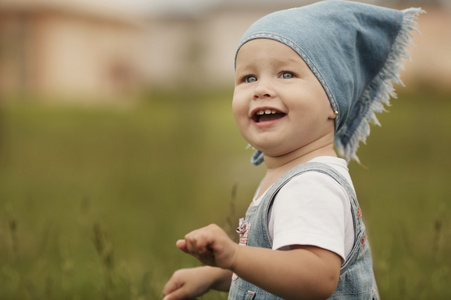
<point x="406" y="197"/>
<point x="92" y="200"/>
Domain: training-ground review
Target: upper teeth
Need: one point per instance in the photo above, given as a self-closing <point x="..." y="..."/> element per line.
<point x="266" y="112"/>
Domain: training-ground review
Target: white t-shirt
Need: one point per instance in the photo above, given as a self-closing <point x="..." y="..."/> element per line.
<point x="321" y="217"/>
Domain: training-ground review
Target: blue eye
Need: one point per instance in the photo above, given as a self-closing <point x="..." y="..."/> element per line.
<point x="250" y="78"/>
<point x="287" y="75"/>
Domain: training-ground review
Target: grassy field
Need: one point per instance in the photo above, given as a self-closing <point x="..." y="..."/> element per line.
<point x="93" y="199"/>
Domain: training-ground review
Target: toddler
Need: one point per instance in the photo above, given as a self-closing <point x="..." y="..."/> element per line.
<point x="309" y="80"/>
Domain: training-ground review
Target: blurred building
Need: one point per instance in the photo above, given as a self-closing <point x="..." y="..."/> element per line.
<point x="200" y="48"/>
<point x="70" y="49"/>
<point x="81" y="49"/>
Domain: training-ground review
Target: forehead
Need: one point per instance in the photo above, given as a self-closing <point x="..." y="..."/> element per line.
<point x="266" y="48"/>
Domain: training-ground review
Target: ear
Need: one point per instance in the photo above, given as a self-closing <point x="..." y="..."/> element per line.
<point x="333" y="113"/>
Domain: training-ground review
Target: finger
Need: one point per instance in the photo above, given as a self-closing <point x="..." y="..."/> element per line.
<point x="191" y="242"/>
<point x="203" y="243"/>
<point x="178" y="294"/>
<point x="199" y="240"/>
<point x="171" y="286"/>
<point x="181" y="244"/>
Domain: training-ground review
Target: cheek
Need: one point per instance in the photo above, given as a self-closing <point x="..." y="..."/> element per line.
<point x="239" y="108"/>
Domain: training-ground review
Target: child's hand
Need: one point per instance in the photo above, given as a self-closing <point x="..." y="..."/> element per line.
<point x="187" y="284"/>
<point x="210" y="245"/>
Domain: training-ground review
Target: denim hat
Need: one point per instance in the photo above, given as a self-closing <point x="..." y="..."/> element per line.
<point x="354" y="49"/>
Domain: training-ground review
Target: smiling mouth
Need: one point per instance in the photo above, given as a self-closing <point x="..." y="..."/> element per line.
<point x="265" y="115"/>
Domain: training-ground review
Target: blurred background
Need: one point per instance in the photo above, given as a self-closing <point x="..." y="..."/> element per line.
<point x="117" y="138"/>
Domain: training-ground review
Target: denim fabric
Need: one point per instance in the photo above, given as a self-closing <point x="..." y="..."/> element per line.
<point x="354" y="49"/>
<point x="356" y="274"/>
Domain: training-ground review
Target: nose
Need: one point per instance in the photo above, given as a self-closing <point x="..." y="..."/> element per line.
<point x="263" y="90"/>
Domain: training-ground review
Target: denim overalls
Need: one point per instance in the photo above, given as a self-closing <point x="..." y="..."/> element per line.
<point x="356" y="274"/>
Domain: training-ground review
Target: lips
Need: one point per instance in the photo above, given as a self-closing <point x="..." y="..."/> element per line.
<point x="267" y="114"/>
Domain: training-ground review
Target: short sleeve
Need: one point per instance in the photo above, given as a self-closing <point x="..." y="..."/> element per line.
<point x="312" y="209"/>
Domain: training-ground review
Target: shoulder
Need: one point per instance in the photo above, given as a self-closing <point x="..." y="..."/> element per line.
<point x="321" y="175"/>
<point x="319" y="185"/>
<point x="312" y="185"/>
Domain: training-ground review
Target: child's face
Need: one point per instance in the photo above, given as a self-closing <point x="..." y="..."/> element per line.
<point x="278" y="103"/>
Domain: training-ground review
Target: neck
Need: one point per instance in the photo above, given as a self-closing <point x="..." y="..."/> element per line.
<point x="282" y="164"/>
<point x="277" y="166"/>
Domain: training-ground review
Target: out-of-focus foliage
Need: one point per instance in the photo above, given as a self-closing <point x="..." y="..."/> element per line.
<point x="93" y="200"/>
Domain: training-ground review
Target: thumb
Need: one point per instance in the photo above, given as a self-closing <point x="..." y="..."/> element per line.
<point x="181" y="244"/>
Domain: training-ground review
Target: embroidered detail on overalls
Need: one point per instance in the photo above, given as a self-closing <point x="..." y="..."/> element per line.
<point x="243" y="230"/>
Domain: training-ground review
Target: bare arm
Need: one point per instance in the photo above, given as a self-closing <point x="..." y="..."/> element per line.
<point x="304" y="272"/>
